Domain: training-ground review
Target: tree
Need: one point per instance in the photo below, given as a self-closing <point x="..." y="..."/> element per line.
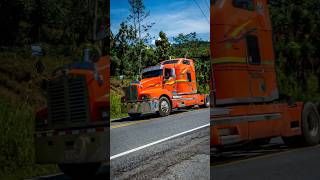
<point x="137" y="16"/>
<point x="163" y="47"/>
<point x="190" y="46"/>
<point x="296" y="40"/>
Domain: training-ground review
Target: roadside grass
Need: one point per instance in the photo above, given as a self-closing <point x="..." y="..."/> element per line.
<point x="115" y="100"/>
<point x="20" y="95"/>
<point x="116" y="92"/>
<point x="17" y="153"/>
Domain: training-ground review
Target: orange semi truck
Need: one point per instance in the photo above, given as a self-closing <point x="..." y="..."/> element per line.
<point x="246" y="103"/>
<point x="169" y="85"/>
<point x="72" y="131"/>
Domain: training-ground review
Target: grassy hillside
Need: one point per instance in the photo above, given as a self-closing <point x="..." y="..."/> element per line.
<point x="21" y="95"/>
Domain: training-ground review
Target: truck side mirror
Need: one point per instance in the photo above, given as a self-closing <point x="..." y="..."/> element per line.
<point x="39" y="67"/>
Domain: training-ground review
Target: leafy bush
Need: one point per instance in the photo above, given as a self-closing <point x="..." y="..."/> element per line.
<point x="17" y="155"/>
<point x="115" y="101"/>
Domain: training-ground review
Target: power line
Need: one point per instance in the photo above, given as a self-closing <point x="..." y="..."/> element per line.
<point x="201" y="11"/>
<point x="207" y="5"/>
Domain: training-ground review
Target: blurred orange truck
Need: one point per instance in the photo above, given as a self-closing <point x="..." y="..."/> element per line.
<point x="169" y="85"/>
<point x="246" y="102"/>
<point x="73" y="130"/>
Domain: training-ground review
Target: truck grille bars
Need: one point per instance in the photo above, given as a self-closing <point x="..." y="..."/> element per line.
<point x="132" y="93"/>
<point x="67" y="101"/>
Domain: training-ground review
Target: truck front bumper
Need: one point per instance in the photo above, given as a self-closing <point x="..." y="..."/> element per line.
<point x="72" y="147"/>
<point x="149" y="106"/>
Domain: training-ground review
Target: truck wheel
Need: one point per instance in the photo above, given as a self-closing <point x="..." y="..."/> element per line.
<point x="80" y="171"/>
<point x="310" y="123"/>
<point x="135" y="115"/>
<point x="164" y="106"/>
<point x="206" y="102"/>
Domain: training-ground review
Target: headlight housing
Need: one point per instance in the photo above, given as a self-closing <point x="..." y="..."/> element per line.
<point x="145" y="97"/>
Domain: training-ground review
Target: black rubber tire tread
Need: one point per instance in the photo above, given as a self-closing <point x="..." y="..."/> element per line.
<point x="310" y="111"/>
<point x="161" y="113"/>
<point x="206" y="102"/>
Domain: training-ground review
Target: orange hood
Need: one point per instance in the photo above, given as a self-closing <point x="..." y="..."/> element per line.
<point x="150" y="83"/>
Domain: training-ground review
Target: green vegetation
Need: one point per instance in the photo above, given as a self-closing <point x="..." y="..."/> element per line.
<point x="21" y="95"/>
<point x="17" y="143"/>
<point x="296" y="28"/>
<point x="116" y="92"/>
<point x="131" y="50"/>
<point x="64" y="29"/>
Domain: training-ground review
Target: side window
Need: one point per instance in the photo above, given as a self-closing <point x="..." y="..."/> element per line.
<point x="253" y="50"/>
<point x="189" y="77"/>
<point x="168" y="73"/>
<point x="244" y="4"/>
<point x="187" y="62"/>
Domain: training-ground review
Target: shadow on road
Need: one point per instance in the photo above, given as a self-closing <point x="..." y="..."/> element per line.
<point x="149" y="116"/>
<point x="242" y="153"/>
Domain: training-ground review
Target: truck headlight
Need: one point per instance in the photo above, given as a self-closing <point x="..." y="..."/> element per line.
<point x="145" y="97"/>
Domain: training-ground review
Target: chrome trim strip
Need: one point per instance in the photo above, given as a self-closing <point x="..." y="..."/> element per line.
<point x="273" y="96"/>
<point x="239" y="119"/>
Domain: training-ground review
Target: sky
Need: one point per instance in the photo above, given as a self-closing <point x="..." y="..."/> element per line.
<point x="171" y="16"/>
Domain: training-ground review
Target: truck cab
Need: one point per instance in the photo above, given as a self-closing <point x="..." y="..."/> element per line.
<point x="171" y="84"/>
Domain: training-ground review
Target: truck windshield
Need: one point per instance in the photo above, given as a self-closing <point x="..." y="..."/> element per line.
<point x="170" y="62"/>
<point x="150" y="74"/>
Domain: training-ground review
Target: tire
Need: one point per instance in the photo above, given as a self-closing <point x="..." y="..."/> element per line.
<point x="206" y="102"/>
<point x="310" y="124"/>
<point x="310" y="127"/>
<point x="164" y="107"/>
<point x="135" y="115"/>
<point x="80" y="171"/>
<point x="318" y="107"/>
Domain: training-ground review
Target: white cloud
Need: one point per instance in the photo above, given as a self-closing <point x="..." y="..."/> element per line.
<point x="180" y="21"/>
<point x="177" y="19"/>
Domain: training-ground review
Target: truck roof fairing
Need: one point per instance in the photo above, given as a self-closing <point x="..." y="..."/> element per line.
<point x="152" y="68"/>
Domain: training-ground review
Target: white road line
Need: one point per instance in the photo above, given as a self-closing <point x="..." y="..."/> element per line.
<point x="156" y="142"/>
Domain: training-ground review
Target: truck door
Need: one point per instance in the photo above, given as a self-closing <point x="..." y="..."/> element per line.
<point x="169" y="80"/>
<point x="255" y="69"/>
<point x="257" y="128"/>
<point x="190" y="83"/>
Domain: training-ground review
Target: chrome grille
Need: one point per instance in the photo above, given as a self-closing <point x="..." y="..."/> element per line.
<point x="68" y="100"/>
<point x="132" y="93"/>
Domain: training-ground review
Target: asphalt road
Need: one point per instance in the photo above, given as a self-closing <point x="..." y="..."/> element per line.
<point x="141" y="149"/>
<point x="153" y="147"/>
<point x="172" y="147"/>
<point x="273" y="161"/>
